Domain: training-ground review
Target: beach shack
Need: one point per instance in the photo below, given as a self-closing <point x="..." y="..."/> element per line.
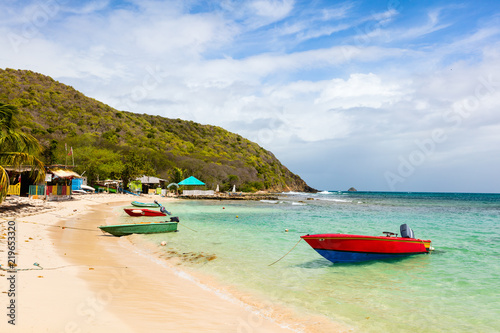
<point x="196" y="187"/>
<point x="58" y="185"/>
<point x="152" y="185"/>
<point x="109" y="186"/>
<point x="58" y="182"/>
<point x="20" y="178"/>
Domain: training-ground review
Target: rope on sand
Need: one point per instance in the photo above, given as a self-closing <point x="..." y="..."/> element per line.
<point x="57" y="226"/>
<point x="40" y="268"/>
<point x="107" y="203"/>
<point x="286" y="253"/>
<point x="73" y="218"/>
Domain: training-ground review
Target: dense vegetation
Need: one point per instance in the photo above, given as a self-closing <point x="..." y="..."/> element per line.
<point x="108" y="143"/>
<point x="16" y="148"/>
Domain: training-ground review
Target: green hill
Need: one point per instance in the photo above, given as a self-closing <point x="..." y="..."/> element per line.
<point x="108" y="143"/>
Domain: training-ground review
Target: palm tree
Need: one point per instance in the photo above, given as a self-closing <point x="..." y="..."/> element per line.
<point x="16" y="148"/>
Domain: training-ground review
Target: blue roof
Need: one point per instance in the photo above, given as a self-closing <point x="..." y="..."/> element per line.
<point x="191" y="181"/>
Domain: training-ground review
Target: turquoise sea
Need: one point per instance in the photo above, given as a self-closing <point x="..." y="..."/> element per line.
<point x="454" y="289"/>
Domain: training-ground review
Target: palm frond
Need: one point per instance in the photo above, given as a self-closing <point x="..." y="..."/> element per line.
<point x="4" y="183"/>
<point x="7" y="117"/>
<point x="19" y="159"/>
<point x="19" y="142"/>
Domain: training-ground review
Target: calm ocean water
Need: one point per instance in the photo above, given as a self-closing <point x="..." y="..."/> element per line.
<point x="454" y="289"/>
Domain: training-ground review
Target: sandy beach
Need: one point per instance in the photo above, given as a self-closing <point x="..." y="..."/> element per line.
<point x="74" y="278"/>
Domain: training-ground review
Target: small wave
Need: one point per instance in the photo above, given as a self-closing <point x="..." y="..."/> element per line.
<point x="334" y="200"/>
<point x="298" y="203"/>
<point x="295" y="193"/>
<point x="270" y="201"/>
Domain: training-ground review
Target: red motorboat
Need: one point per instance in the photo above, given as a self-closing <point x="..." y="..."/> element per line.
<point x="356" y="248"/>
<point x="146" y="212"/>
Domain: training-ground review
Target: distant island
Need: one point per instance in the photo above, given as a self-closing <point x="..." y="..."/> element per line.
<point x="352" y="189"/>
<point x="107" y="143"/>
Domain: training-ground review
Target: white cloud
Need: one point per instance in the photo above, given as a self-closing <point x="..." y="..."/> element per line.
<point x="364" y="102"/>
<point x="360" y="90"/>
<point x="274" y="9"/>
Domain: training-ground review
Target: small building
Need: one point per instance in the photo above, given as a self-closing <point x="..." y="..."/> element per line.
<point x="59" y="182"/>
<point x="20" y="178"/>
<point x="109" y="186"/>
<point x="151" y="185"/>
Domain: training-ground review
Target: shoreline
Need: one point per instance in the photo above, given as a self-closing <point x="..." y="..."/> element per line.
<point x="90" y="282"/>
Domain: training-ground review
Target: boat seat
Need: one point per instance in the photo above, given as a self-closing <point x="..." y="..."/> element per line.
<point x="406" y="231"/>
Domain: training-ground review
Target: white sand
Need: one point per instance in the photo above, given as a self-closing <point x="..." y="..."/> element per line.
<point x="97" y="283"/>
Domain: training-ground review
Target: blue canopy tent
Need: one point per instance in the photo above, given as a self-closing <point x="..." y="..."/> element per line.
<point x="196" y="187"/>
<point x="191" y="181"/>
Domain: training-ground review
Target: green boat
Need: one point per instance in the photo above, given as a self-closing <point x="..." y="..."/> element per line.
<point x="142" y="204"/>
<point x="139" y="228"/>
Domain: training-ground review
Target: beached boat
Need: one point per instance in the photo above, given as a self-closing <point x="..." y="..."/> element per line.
<point x="356" y="248"/>
<point x="139" y="228"/>
<point x="142" y="204"/>
<point x="146" y="212"/>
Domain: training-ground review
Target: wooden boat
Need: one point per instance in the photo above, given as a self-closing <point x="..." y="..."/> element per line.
<point x="146" y="212"/>
<point x="142" y="204"/>
<point x="139" y="228"/>
<point x="356" y="248"/>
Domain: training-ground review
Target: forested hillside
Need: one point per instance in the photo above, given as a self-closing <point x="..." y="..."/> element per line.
<point x="109" y="143"/>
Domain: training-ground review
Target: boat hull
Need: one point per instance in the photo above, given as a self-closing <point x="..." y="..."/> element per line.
<point x="143" y="212"/>
<point x="357" y="248"/>
<point x="142" y="204"/>
<point x="140" y="228"/>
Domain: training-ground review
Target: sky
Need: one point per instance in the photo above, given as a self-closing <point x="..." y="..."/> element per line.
<point x="376" y="95"/>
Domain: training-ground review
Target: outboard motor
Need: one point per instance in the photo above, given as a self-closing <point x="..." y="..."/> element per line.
<point x="406" y="231"/>
<point x="174" y="219"/>
<point x="164" y="211"/>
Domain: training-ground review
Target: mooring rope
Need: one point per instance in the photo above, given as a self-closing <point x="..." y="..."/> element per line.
<point x="286" y="253"/>
<point x="187" y="227"/>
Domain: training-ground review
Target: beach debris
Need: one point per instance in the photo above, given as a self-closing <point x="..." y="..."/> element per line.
<point x="163" y="243"/>
<point x="21" y="206"/>
<point x="194" y="257"/>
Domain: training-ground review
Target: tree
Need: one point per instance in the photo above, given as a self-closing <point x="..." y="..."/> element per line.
<point x="49" y="153"/>
<point x="16" y="148"/>
<point x="99" y="163"/>
<point x="231" y="181"/>
<point x="177" y="175"/>
<point x="135" y="165"/>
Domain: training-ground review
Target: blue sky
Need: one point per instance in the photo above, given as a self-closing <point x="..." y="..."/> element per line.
<point x="379" y="95"/>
